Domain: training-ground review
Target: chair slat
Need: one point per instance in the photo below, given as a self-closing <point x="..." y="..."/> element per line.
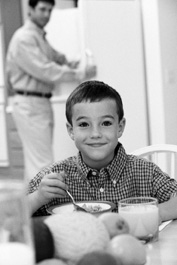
<point x="164" y="155"/>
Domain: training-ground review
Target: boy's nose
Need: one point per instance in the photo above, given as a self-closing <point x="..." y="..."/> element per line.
<point x="95" y="132"/>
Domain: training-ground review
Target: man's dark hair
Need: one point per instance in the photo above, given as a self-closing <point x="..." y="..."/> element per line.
<point x="33" y="3"/>
<point x="93" y="91"/>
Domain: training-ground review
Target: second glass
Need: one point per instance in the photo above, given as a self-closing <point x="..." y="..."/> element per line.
<point x="142" y="216"/>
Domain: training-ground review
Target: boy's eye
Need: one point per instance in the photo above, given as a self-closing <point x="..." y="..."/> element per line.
<point x="107" y="123"/>
<point x="83" y="124"/>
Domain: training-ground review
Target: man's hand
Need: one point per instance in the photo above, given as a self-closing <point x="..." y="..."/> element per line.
<point x="73" y="64"/>
<point x="61" y="59"/>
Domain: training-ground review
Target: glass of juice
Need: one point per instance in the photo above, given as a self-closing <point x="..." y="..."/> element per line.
<point x="16" y="241"/>
<point x="142" y="216"/>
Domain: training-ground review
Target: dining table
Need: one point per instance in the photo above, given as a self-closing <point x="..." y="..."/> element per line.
<point x="161" y="252"/>
<point x="164" y="250"/>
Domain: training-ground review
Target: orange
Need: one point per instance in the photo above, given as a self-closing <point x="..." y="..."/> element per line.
<point x="128" y="249"/>
<point x="114" y="223"/>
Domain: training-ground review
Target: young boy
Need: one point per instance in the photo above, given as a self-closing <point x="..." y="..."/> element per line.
<point x="102" y="170"/>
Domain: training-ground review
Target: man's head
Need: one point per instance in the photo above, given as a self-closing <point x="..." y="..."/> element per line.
<point x="93" y="91"/>
<point x="40" y="11"/>
<point x="96" y="121"/>
<point x="33" y="3"/>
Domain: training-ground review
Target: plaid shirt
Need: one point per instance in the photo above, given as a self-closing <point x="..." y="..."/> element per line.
<point x="126" y="176"/>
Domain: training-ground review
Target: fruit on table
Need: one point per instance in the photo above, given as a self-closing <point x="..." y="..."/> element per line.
<point x="98" y="258"/>
<point x="115" y="224"/>
<point x="76" y="234"/>
<point x="52" y="262"/>
<point x="128" y="249"/>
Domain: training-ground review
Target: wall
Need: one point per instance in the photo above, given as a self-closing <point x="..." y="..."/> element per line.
<point x="168" y="39"/>
<point x="153" y="64"/>
<point x="160" y="31"/>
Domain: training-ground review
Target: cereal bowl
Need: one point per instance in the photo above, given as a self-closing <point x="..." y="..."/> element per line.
<point x="94" y="207"/>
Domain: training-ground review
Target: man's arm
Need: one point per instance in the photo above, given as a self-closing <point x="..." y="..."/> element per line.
<point x="61" y="59"/>
<point x="33" y="61"/>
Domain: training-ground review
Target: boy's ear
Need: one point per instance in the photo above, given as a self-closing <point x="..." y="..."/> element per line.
<point x="70" y="130"/>
<point x="121" y="127"/>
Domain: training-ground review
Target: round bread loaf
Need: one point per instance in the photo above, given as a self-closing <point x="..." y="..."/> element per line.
<point x="77" y="234"/>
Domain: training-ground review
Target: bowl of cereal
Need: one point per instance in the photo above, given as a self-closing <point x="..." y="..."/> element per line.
<point x="94" y="207"/>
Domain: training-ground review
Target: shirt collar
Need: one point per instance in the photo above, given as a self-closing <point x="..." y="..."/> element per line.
<point x="114" y="169"/>
<point x="32" y="26"/>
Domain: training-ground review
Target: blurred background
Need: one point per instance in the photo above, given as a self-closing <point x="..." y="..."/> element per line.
<point x="134" y="46"/>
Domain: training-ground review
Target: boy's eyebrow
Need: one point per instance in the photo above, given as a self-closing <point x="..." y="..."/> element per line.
<point x="102" y="117"/>
<point x="81" y="117"/>
<point x="108" y="116"/>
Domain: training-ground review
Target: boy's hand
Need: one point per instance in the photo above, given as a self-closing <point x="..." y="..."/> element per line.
<point x="52" y="186"/>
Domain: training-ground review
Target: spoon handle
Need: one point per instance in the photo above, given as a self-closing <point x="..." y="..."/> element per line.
<point x="77" y="207"/>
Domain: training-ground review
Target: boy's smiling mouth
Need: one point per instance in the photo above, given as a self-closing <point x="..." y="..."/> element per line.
<point x="96" y="144"/>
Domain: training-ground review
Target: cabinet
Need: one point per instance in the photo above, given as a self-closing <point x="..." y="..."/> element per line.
<point x="4" y="160"/>
<point x="11" y="155"/>
<point x="3" y="131"/>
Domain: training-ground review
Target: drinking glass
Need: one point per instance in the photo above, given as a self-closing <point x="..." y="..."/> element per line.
<point x="16" y="241"/>
<point x="142" y="216"/>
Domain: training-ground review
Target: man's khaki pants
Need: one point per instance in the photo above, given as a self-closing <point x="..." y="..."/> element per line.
<point x="33" y="117"/>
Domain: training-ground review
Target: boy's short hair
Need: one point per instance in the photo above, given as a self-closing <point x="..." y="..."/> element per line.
<point x="93" y="91"/>
<point x="33" y="3"/>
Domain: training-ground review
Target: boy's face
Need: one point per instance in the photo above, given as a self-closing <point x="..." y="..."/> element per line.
<point x="96" y="130"/>
<point x="41" y="13"/>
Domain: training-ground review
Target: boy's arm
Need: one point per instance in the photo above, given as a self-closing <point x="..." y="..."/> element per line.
<point x="168" y="209"/>
<point x="34" y="202"/>
<point x="51" y="186"/>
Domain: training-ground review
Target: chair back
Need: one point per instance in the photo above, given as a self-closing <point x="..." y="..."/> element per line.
<point x="164" y="155"/>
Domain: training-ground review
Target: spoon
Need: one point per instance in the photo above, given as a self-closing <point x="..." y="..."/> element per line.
<point x="76" y="206"/>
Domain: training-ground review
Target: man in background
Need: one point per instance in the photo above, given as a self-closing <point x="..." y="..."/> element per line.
<point x="32" y="69"/>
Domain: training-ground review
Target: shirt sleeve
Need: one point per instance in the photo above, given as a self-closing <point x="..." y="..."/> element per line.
<point x="164" y="185"/>
<point x="59" y="57"/>
<point x="30" y="57"/>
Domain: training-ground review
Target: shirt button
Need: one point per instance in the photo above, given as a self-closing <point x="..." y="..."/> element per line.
<point x="94" y="173"/>
<point x="114" y="182"/>
<point x="101" y="190"/>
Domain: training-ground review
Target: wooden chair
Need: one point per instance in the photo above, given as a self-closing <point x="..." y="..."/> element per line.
<point x="164" y="155"/>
